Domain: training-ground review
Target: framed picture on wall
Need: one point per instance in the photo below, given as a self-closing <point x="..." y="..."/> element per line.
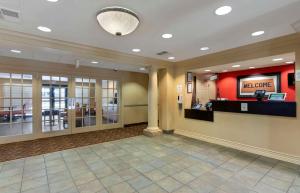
<point x="247" y="85"/>
<point x="189" y="87"/>
<point x="189" y="76"/>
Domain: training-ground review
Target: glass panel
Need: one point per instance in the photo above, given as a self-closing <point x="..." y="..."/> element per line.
<point x="6" y="91"/>
<point x="5" y="75"/>
<point x="5" y="130"/>
<point x="64" y="79"/>
<point x="110" y="93"/>
<point x="16" y="79"/>
<point x="85" y="92"/>
<point x="55" y="78"/>
<point x="104" y="92"/>
<point x="4" y="116"/>
<point x="78" y="80"/>
<point x="104" y="84"/>
<point x="27" y="128"/>
<point x="46" y="78"/>
<point x="46" y="92"/>
<point x="16" y="91"/>
<point x="27" y="92"/>
<point x="27" y="116"/>
<point x="111" y="84"/>
<point x="78" y="92"/>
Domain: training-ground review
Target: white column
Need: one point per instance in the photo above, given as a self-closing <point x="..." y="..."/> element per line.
<point x="152" y="129"/>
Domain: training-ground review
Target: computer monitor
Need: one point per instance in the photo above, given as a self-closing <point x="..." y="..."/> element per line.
<point x="277" y="97"/>
<point x="260" y="94"/>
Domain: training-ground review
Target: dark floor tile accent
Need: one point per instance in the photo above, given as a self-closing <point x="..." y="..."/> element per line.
<point x="23" y="149"/>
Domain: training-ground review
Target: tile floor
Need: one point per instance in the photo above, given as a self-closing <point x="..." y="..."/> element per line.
<point x="149" y="165"/>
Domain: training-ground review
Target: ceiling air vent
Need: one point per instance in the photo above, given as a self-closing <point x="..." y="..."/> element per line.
<point x="162" y="53"/>
<point x="296" y="26"/>
<point x="9" y="15"/>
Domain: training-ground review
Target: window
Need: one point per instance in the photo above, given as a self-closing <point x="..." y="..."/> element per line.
<point x="15" y="104"/>
<point x="54" y="103"/>
<point x="110" y="101"/>
<point x="85" y="102"/>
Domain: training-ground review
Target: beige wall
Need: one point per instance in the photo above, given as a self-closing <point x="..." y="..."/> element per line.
<point x="272" y="136"/>
<point x="135" y="98"/>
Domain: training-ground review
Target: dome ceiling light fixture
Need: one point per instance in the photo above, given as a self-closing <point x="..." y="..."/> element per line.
<point x="118" y="21"/>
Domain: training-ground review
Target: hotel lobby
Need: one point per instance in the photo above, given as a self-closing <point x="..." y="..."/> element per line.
<point x="149" y="96"/>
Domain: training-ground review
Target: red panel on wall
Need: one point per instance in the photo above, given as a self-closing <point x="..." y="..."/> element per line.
<point x="227" y="82"/>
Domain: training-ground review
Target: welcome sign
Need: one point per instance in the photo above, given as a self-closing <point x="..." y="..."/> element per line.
<point x="247" y="85"/>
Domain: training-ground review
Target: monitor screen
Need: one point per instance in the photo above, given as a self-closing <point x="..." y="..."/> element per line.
<point x="277" y="97"/>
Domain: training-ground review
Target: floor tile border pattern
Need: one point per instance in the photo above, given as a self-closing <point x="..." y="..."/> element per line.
<point x="36" y="147"/>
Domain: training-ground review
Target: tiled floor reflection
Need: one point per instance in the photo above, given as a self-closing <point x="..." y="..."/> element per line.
<point x="149" y="165"/>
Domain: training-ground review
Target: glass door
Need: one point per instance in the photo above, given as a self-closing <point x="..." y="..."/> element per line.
<point x="111" y="104"/>
<point x="54" y="103"/>
<point x="85" y="103"/>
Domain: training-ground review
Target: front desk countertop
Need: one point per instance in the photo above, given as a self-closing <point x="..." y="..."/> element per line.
<point x="275" y="108"/>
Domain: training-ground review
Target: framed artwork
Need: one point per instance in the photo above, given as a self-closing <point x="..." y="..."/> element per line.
<point x="189" y="87"/>
<point x="247" y="85"/>
<point x="189" y="77"/>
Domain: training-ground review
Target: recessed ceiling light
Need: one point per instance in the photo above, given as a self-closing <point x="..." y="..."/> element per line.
<point x="207" y="70"/>
<point x="258" y="33"/>
<point x="44" y="29"/>
<point x="52" y="1"/>
<point x="16" y="51"/>
<point x="251" y="67"/>
<point x="94" y="62"/>
<point x="142" y="69"/>
<point x="224" y="10"/>
<point x="167" y="36"/>
<point x="204" y="48"/>
<point x="236" y="66"/>
<point x="277" y="59"/>
<point x="290" y="62"/>
<point x="171" y="58"/>
<point x="136" y="50"/>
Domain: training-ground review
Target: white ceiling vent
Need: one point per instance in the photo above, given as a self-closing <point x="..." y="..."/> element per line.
<point x="296" y="26"/>
<point x="9" y="15"/>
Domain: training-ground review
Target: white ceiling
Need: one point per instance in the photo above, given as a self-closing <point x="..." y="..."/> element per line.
<point x="65" y="57"/>
<point x="192" y="22"/>
<point x="245" y="65"/>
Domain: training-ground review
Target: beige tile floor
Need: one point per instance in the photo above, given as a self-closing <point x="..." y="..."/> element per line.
<point x="149" y="165"/>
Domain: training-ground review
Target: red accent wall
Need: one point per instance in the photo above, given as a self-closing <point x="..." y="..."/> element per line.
<point x="227" y="82"/>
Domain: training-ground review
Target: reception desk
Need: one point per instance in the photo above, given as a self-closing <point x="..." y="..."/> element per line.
<point x="272" y="108"/>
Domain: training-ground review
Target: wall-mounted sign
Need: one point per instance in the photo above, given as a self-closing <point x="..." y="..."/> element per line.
<point x="179" y="88"/>
<point x="189" y="87"/>
<point x="244" y="107"/>
<point x="247" y="85"/>
<point x="297" y="75"/>
<point x="189" y="76"/>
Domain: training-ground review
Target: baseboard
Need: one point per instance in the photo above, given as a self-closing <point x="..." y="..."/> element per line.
<point x="243" y="147"/>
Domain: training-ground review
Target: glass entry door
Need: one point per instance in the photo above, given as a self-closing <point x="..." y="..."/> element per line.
<point x="54" y="103"/>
